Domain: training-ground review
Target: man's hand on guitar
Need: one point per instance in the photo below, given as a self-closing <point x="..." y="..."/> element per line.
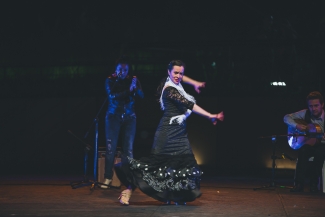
<point x="299" y="138"/>
<point x="301" y="127"/>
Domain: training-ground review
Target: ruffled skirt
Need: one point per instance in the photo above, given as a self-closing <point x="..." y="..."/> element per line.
<point x="163" y="177"/>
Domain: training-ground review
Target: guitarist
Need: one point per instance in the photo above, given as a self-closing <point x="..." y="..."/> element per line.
<point x="314" y="114"/>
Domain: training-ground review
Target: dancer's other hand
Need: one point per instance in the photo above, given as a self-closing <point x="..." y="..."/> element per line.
<point x="215" y="117"/>
<point x="198" y="85"/>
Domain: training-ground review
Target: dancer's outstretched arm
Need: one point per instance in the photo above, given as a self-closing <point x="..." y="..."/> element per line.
<point x="213" y="117"/>
<point x="196" y="84"/>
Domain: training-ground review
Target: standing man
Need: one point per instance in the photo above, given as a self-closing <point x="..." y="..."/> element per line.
<point x="120" y="121"/>
<point x="313" y="115"/>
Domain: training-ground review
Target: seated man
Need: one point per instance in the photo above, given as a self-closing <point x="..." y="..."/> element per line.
<point x="311" y="147"/>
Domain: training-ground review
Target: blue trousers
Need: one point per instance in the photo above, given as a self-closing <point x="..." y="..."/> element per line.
<point x="117" y="127"/>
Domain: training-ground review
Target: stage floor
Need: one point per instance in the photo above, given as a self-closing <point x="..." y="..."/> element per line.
<point x="52" y="195"/>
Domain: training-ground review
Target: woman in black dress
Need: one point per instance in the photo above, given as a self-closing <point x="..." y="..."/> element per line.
<point x="171" y="172"/>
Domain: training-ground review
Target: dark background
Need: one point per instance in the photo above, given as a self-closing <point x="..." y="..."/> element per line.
<point x="55" y="56"/>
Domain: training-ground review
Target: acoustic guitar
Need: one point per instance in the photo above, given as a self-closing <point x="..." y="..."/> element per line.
<point x="311" y="136"/>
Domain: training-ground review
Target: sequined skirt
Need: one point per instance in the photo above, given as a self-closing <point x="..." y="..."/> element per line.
<point x="163" y="177"/>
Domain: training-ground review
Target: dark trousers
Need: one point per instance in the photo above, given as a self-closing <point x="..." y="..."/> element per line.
<point x="304" y="153"/>
<point x="118" y="126"/>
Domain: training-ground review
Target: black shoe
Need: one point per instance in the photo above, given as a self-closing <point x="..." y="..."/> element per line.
<point x="297" y="188"/>
<point x="167" y="202"/>
<point x="179" y="203"/>
<point x="314" y="189"/>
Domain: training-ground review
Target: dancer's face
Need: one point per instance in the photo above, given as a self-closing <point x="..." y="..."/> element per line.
<point x="315" y="107"/>
<point x="122" y="70"/>
<point x="176" y="74"/>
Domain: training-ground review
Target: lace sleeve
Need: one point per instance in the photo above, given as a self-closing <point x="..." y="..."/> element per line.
<point x="173" y="94"/>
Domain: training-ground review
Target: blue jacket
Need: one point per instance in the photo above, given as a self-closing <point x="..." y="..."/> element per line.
<point x="120" y="99"/>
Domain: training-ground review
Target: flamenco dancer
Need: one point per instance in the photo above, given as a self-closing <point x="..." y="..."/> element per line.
<point x="170" y="173"/>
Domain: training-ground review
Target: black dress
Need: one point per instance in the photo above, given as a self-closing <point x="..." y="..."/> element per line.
<point x="171" y="172"/>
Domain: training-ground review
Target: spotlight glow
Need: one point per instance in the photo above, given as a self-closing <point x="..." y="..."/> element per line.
<point x="278" y="83"/>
